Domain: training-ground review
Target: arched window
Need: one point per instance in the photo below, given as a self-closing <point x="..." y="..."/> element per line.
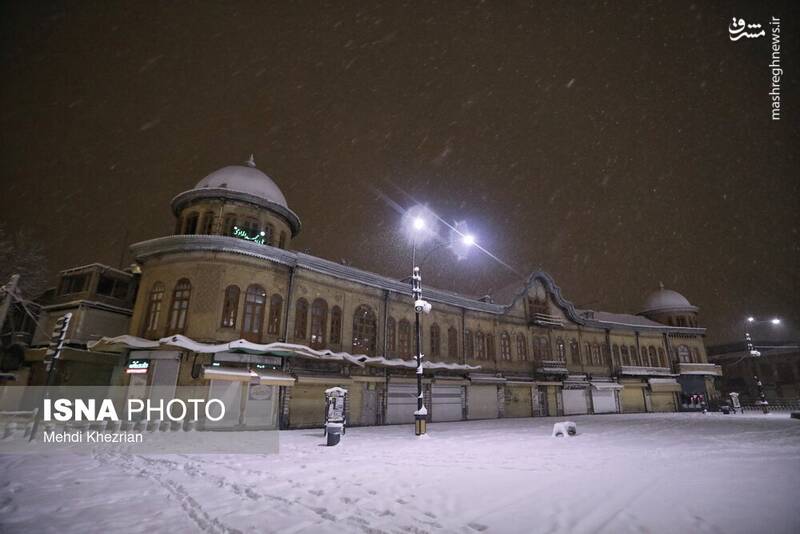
<point x="634" y="356"/>
<point x="480" y="346"/>
<point x="436" y="341"/>
<point x="575" y="352"/>
<point x="626" y="359"/>
<point x="596" y="354"/>
<point x="319" y="322"/>
<point x="230" y="306"/>
<point x="662" y="357"/>
<point x="269" y="232"/>
<point x="452" y="343"/>
<point x="282" y="240"/>
<point x="643" y="351"/>
<point x="505" y="346"/>
<point x="653" y="357"/>
<point x="469" y="345"/>
<point x="336" y="325"/>
<point x="180" y="307"/>
<point x="544" y="348"/>
<point x="522" y="347"/>
<point x="391" y="336"/>
<point x="153" y="309"/>
<point x="404" y="335"/>
<point x="191" y="223"/>
<point x="604" y="352"/>
<point x="251" y="226"/>
<point x="490" y="353"/>
<point x="695" y="355"/>
<point x="255" y="300"/>
<point x="683" y="354"/>
<point x="364" y="331"/>
<point x="208" y="222"/>
<point x="275" y="311"/>
<point x="228" y="224"/>
<point x="615" y="355"/>
<point x="300" y="318"/>
<point x="561" y="350"/>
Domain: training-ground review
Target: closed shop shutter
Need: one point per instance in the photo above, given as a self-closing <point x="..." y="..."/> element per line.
<point x="575" y="401"/>
<point x="632" y="399"/>
<point x="260" y="409"/>
<point x="552" y="401"/>
<point x="604" y="401"/>
<point x="518" y="401"/>
<point x="401" y="403"/>
<point x="307" y="406"/>
<point x="446" y="403"/>
<point x="482" y="402"/>
<point x="662" y="402"/>
<point x="230" y="393"/>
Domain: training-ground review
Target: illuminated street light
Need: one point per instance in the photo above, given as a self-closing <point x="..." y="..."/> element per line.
<point x="754" y="353"/>
<point x="419" y="223"/>
<point x="468" y="239"/>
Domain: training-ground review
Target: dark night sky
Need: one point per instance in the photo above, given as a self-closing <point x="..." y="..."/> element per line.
<point x="614" y="145"/>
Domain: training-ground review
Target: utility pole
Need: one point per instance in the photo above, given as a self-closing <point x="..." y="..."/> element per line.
<point x="10" y="295"/>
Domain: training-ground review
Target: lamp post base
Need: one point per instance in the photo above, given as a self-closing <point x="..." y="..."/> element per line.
<point x="420" y="425"/>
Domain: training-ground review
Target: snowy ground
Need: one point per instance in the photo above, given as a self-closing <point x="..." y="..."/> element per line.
<point x="622" y="473"/>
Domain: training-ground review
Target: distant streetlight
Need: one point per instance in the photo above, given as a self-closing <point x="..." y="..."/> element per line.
<point x="755" y="354"/>
<point x="468" y="240"/>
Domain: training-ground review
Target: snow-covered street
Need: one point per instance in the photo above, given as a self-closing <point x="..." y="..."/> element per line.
<point x="622" y="473"/>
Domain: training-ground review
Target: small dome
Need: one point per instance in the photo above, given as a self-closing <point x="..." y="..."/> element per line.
<point x="244" y="179"/>
<point x="666" y="300"/>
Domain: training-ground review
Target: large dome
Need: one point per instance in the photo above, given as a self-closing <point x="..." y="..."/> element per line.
<point x="666" y="300"/>
<point x="244" y="179"/>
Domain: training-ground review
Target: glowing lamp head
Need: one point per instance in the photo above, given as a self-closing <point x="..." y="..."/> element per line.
<point x="776" y="321"/>
<point x="751" y="319"/>
<point x="419" y="223"/>
<point x="468" y="240"/>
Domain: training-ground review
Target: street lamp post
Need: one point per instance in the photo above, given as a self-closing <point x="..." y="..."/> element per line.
<point x="755" y="354"/>
<point x="418" y="226"/>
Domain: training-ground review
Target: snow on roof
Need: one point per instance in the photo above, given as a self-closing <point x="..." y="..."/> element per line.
<point x="666" y="300"/>
<point x="245" y="179"/>
<point x="624" y="319"/>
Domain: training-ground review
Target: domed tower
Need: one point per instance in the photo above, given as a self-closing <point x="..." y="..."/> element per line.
<point x="669" y="307"/>
<point x="237" y="201"/>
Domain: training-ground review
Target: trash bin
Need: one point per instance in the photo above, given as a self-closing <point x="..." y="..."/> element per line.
<point x="726" y="409"/>
<point x="334" y="433"/>
<point x="335" y="414"/>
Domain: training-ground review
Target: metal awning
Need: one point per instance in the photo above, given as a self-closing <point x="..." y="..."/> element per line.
<point x="486" y="379"/>
<point x="664" y="385"/>
<point x="605" y="386"/>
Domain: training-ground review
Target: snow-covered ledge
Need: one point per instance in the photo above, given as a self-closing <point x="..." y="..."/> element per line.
<point x="700" y="369"/>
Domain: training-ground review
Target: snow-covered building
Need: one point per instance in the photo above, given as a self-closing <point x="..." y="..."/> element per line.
<point x="225" y="303"/>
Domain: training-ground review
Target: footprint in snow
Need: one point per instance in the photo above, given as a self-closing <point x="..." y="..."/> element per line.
<point x="477" y="526"/>
<point x="318" y="493"/>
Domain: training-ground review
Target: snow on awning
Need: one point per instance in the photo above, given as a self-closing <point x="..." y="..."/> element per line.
<point x="605" y="386"/>
<point x="664" y="385"/>
<point x="236" y="374"/>
<point x="121" y="344"/>
<point x="284" y="350"/>
<point x="412" y="364"/>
